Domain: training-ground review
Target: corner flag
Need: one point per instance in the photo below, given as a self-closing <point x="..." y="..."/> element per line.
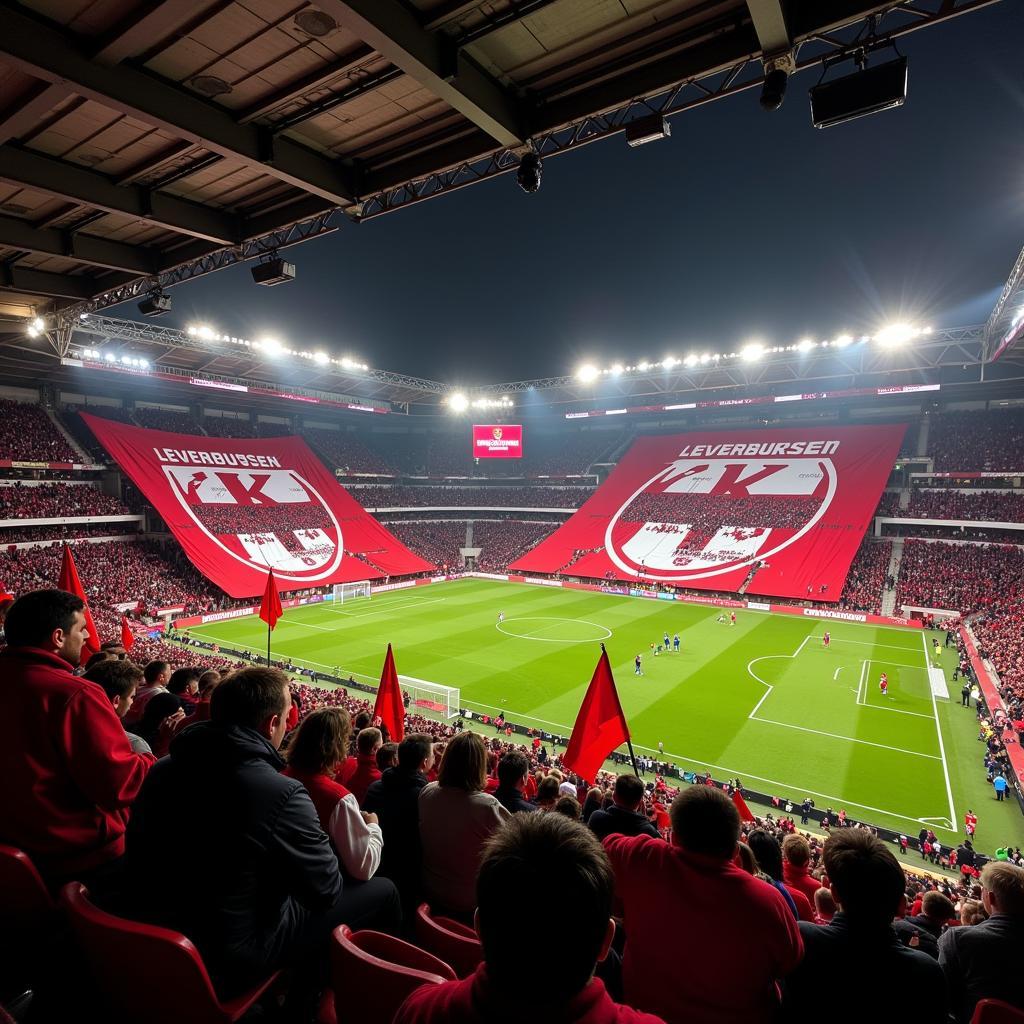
<point x="270" y="606"/>
<point x="600" y="725"/>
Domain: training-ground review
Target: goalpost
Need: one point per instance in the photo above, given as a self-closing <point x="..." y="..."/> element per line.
<point x="426" y="696"/>
<point x="343" y="592"/>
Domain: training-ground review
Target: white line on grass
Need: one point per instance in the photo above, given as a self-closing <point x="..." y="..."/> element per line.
<point x="395" y="606"/>
<point x="885" y="707"/>
<point x="868" y="643"/>
<point x="851" y="739"/>
<point x="938" y="730"/>
<point x="768" y="686"/>
<point x="860" y="684"/>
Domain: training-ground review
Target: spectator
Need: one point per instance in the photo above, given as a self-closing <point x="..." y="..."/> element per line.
<point x="983" y="961"/>
<point x="184" y="684"/>
<point x="155" y="677"/>
<point x="858" y="952"/>
<point x="936" y="911"/>
<point x="70" y="774"/>
<point x="747" y="935"/>
<point x="624" y="817"/>
<point x="387" y="757"/>
<point x="534" y="863"/>
<point x="158" y="722"/>
<point x="547" y="792"/>
<point x="513" y="771"/>
<point x="120" y="680"/>
<point x="456" y="818"/>
<point x="360" y="771"/>
<point x="314" y="754"/>
<point x="796" y="856"/>
<point x="394" y="798"/>
<point x="768" y="852"/>
<point x="273" y="893"/>
<point x="824" y="906"/>
<point x="568" y="806"/>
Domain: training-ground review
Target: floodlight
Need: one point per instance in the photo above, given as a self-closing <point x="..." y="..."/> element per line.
<point x="155" y="304"/>
<point x="458" y="402"/>
<point x="617" y="369"/>
<point x="843" y="340"/>
<point x="321" y="357"/>
<point x="690" y="360"/>
<point x="529" y="173"/>
<point x="273" y="271"/>
<point x="39" y="323"/>
<point x="33" y="331"/>
<point x="752" y="352"/>
<point x="896" y="334"/>
<point x="646" y="129"/>
<point x="271" y="347"/>
<point x="773" y="92"/>
<point x="587" y="373"/>
<point x="804" y="345"/>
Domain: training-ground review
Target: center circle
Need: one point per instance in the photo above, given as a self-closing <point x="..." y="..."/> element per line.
<point x="557" y="630"/>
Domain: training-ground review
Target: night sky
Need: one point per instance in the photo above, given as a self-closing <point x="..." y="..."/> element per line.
<point x="743" y="224"/>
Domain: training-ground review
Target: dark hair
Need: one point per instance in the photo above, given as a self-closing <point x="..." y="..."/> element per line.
<point x="704" y="820"/>
<point x="414" y="750"/>
<point x="569" y="806"/>
<point x="180" y="680"/>
<point x="98" y="658"/>
<point x="118" y="678"/>
<point x="592" y="802"/>
<point x="154" y="670"/>
<point x="35" y="616"/>
<point x="767" y="852"/>
<point x="464" y="764"/>
<point x="547" y="789"/>
<point x="249" y="697"/>
<point x="796" y="850"/>
<point x="321" y="741"/>
<point x="535" y="862"/>
<point x="387" y="755"/>
<point x="865" y="876"/>
<point x="938" y="907"/>
<point x="629" y="790"/>
<point x="208" y="681"/>
<point x="512" y="767"/>
<point x="362" y="720"/>
<point x="157" y="709"/>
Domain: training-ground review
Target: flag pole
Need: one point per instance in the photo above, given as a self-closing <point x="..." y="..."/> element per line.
<point x="268" y="644"/>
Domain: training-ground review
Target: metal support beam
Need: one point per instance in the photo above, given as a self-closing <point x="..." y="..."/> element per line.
<point x="159" y="19"/>
<point x="100" y="252"/>
<point x="770" y="25"/>
<point x="436" y="63"/>
<point x="39" y="282"/>
<point x="80" y="185"/>
<point x="28" y="111"/>
<point x="39" y="49"/>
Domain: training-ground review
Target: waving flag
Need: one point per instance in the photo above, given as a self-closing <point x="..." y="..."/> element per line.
<point x="270" y="606"/>
<point x="389" y="708"/>
<point x="600" y="725"/>
<point x="70" y="582"/>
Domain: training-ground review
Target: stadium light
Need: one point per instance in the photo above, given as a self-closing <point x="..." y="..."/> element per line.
<point x="843" y="340"/>
<point x="646" y="129"/>
<point x="587" y="373"/>
<point x="458" y="402"/>
<point x="690" y="360"/>
<point x="321" y="357"/>
<point x="271" y="347"/>
<point x="617" y="369"/>
<point x="752" y="352"/>
<point x="897" y="334"/>
<point x="805" y="345"/>
<point x="528" y="175"/>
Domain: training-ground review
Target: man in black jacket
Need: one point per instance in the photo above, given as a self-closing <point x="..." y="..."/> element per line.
<point x="936" y="911"/>
<point x="983" y="961"/>
<point x="859" y="953"/>
<point x="624" y="817"/>
<point x="512" y="771"/>
<point x="255" y="883"/>
<point x="394" y="798"/>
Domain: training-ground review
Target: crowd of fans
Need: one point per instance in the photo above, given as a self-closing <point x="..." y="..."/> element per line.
<point x="977" y="440"/>
<point x="279" y="519"/>
<point x="951" y="532"/>
<point x="406" y="496"/>
<point x="438" y="542"/>
<point x="502" y="543"/>
<point x="28" y="434"/>
<point x="976" y="505"/>
<point x="707" y="513"/>
<point x="171" y="420"/>
<point x="57" y="500"/>
<point x="58" y="531"/>
<point x="867" y="578"/>
<point x="934" y="574"/>
<point x="345" y="451"/>
<point x="228" y="426"/>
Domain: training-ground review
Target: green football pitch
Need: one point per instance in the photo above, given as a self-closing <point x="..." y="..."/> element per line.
<point x="762" y="700"/>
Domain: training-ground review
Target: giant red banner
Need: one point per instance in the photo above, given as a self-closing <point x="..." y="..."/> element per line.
<point x="497" y="441"/>
<point x="239" y="507"/>
<point x="781" y="510"/>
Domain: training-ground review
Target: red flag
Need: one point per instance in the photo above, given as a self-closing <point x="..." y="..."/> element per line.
<point x="70" y="582"/>
<point x="389" y="707"/>
<point x="127" y="636"/>
<point x="741" y="806"/>
<point x="270" y="606"/>
<point x="600" y="726"/>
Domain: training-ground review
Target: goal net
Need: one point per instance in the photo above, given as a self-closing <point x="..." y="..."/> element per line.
<point x="430" y="697"/>
<point x="350" y="591"/>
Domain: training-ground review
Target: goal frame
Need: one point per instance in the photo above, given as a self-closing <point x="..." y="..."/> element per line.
<point x="342" y="592"/>
<point x="436" y="697"/>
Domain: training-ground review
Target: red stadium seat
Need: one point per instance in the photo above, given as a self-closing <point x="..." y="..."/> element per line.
<point x="371" y="975"/>
<point x="995" y="1011"/>
<point x="172" y="986"/>
<point x="29" y="915"/>
<point x="455" y="943"/>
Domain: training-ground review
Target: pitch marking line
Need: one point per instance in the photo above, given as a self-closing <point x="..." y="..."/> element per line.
<point x="851" y="739"/>
<point x="394" y="606"/>
<point x="938" y="730"/>
<point x="835" y="675"/>
<point x="884" y="707"/>
<point x="549" y="640"/>
<point x="868" y="643"/>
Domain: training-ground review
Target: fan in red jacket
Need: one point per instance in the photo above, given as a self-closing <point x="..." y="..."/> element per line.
<point x="534" y="863"/>
<point x="69" y="771"/>
<point x="796" y="858"/>
<point x="358" y="773"/>
<point x="747" y="935"/>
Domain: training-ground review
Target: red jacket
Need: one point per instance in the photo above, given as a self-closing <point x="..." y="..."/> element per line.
<point x="357" y="773"/>
<point x="747" y="935"/>
<point x="477" y="999"/>
<point x="69" y="773"/>
<point x="800" y="878"/>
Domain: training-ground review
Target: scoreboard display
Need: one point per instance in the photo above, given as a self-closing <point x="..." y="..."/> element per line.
<point x="497" y="441"/>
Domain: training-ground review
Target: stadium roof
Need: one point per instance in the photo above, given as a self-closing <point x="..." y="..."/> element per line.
<point x="146" y="142"/>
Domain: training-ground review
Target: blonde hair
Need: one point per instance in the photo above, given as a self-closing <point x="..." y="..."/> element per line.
<point x="1006" y="883"/>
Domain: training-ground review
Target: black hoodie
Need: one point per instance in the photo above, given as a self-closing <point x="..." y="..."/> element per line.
<point x="226" y="850"/>
<point x="394" y="798"/>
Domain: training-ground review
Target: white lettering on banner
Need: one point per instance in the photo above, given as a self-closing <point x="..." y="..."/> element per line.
<point x="234" y="613"/>
<point x="384" y="587"/>
<point x="179" y="455"/>
<point x="821" y="613"/>
<point x="759" y="606"/>
<point x="543" y="583"/>
<point x="701" y="451"/>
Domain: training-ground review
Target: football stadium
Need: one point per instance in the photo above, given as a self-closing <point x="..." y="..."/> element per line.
<point x="625" y="539"/>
